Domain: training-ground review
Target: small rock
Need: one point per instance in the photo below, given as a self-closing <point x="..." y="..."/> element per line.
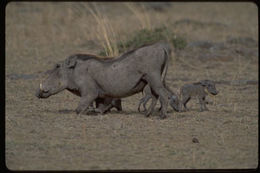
<point x="195" y="140"/>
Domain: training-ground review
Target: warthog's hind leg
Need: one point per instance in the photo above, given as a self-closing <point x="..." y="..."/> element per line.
<point x="152" y="106"/>
<point x="143" y="102"/>
<point x="158" y="88"/>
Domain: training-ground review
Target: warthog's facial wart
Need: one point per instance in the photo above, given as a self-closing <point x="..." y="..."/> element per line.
<point x="41" y="87"/>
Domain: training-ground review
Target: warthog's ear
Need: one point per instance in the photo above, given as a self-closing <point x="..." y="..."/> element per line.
<point x="71" y="62"/>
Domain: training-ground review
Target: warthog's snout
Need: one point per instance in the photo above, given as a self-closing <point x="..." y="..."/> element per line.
<point x="41" y="93"/>
<point x="42" y="89"/>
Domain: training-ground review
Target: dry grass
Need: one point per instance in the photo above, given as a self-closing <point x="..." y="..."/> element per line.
<point x="141" y="14"/>
<point x="47" y="134"/>
<point x="105" y="32"/>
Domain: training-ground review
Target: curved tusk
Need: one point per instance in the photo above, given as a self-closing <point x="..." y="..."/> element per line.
<point x="41" y="86"/>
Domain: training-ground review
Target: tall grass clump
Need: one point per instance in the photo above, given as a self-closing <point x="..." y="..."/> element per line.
<point x="146" y="36"/>
<point x="113" y="46"/>
<point x="104" y="33"/>
<point x="141" y="14"/>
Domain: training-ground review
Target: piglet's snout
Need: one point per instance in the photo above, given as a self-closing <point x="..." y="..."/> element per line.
<point x="215" y="92"/>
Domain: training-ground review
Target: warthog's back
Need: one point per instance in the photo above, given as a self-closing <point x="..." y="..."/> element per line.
<point x="121" y="76"/>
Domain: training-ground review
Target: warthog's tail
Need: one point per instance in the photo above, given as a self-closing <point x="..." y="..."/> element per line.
<point x="165" y="68"/>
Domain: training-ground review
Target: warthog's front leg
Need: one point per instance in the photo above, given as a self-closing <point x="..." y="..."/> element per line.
<point x="84" y="103"/>
<point x="91" y="107"/>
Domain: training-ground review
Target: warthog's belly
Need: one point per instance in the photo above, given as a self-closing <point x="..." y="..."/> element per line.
<point x="124" y="91"/>
<point x="75" y="91"/>
<point x="119" y="80"/>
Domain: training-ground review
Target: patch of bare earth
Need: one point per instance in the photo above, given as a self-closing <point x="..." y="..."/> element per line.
<point x="48" y="135"/>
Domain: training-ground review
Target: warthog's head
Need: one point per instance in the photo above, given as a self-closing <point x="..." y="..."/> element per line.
<point x="57" y="79"/>
<point x="210" y="86"/>
<point x="174" y="103"/>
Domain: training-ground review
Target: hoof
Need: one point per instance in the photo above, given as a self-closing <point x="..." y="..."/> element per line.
<point x="147" y="114"/>
<point x="206" y="109"/>
<point x="77" y="111"/>
<point x="139" y="110"/>
<point x="96" y="110"/>
<point x="119" y="109"/>
<point x="163" y="116"/>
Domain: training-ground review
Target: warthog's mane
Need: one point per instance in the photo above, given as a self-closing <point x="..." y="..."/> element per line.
<point x="85" y="57"/>
<point x="197" y="83"/>
<point x="133" y="50"/>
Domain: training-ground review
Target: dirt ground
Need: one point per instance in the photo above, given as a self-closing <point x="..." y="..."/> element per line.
<point x="48" y="135"/>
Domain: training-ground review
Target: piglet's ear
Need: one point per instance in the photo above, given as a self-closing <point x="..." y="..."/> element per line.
<point x="203" y="82"/>
<point x="71" y="62"/>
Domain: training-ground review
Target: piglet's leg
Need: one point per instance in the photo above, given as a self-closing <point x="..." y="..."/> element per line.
<point x="202" y="104"/>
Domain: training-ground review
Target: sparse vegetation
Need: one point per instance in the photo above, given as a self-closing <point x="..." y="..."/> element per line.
<point x="104" y="32"/>
<point x="48" y="135"/>
<point x="146" y="36"/>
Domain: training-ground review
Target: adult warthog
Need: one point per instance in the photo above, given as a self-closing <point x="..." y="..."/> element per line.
<point x="65" y="77"/>
<point x="120" y="77"/>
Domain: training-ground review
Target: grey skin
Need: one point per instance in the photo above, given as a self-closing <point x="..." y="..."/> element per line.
<point x="120" y="77"/>
<point x="197" y="90"/>
<point x="174" y="101"/>
<point x="103" y="105"/>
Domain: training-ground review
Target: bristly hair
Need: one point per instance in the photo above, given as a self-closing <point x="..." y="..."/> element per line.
<point x="85" y="57"/>
<point x="133" y="50"/>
